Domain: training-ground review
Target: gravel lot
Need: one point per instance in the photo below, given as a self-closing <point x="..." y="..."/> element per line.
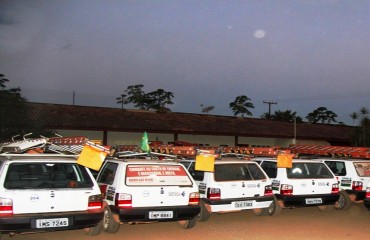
<point x="300" y="223"/>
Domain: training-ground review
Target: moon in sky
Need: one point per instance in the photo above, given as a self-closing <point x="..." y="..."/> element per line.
<point x="259" y="33"/>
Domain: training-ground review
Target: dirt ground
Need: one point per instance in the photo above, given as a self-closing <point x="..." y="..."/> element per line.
<point x="300" y="223"/>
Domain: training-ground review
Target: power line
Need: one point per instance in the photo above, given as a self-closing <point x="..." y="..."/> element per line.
<point x="269" y="103"/>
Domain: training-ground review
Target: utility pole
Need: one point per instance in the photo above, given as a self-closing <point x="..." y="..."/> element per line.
<point x="269" y="103"/>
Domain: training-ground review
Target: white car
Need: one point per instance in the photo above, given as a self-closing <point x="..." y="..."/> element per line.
<point x="43" y="192"/>
<point x="354" y="179"/>
<point x="235" y="185"/>
<point x="147" y="190"/>
<point x="307" y="183"/>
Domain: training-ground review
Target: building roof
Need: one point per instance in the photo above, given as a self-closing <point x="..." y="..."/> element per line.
<point x="72" y="117"/>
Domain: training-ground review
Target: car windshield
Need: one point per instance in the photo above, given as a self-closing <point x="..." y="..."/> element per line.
<point x="47" y="175"/>
<point x="238" y="172"/>
<point x="309" y="170"/>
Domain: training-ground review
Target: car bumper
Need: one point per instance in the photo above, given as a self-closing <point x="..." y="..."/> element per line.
<point x="360" y="195"/>
<point x="302" y="200"/>
<point x="238" y="204"/>
<point x="27" y="222"/>
<point x="367" y="203"/>
<point x="143" y="214"/>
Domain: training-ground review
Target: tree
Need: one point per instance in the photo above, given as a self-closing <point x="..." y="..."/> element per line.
<point x="156" y="100"/>
<point x="322" y="115"/>
<point x="241" y="106"/>
<point x="14" y="117"/>
<point x="122" y="100"/>
<point x="287" y="115"/>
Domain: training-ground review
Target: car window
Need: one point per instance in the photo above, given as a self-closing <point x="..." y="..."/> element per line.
<point x="309" y="170"/>
<point x="337" y="167"/>
<point x="238" y="172"/>
<point x="197" y="175"/>
<point x="157" y="175"/>
<point x="270" y="168"/>
<point x="362" y="168"/>
<point x="108" y="173"/>
<point x="46" y="175"/>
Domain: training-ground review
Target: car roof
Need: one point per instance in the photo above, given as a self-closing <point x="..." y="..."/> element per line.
<point x="346" y="159"/>
<point x="38" y="157"/>
<point x="142" y="161"/>
<point x="224" y="160"/>
<point x="293" y="160"/>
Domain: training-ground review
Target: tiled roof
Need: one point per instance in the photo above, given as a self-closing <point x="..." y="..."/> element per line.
<point x="55" y="116"/>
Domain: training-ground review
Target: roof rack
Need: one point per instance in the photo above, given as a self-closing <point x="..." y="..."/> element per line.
<point x="331" y="151"/>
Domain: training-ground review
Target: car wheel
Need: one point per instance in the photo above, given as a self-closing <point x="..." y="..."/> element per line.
<point x="204" y="214"/>
<point x="109" y="224"/>
<point x="276" y="207"/>
<point x="94" y="231"/>
<point x="325" y="208"/>
<point x="186" y="224"/>
<point x="344" y="202"/>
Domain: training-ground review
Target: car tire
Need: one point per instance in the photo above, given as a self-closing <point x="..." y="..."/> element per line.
<point x="204" y="215"/>
<point x="273" y="210"/>
<point x="277" y="207"/>
<point x="344" y="202"/>
<point x="108" y="223"/>
<point x="187" y="224"/>
<point x="94" y="231"/>
<point x="325" y="208"/>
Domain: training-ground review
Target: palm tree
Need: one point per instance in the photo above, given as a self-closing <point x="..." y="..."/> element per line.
<point x="354" y="117"/>
<point x="241" y="106"/>
<point x="122" y="100"/>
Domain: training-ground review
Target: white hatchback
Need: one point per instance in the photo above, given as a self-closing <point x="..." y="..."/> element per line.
<point x="307" y="183"/>
<point x="354" y="180"/>
<point x="235" y="185"/>
<point x="142" y="190"/>
<point x="43" y="192"/>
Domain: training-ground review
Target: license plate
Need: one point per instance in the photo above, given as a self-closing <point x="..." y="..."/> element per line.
<point x="243" y="204"/>
<point x="160" y="214"/>
<point x="313" y="200"/>
<point x="50" y="223"/>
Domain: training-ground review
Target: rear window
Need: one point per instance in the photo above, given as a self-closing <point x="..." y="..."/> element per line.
<point x="157" y="175"/>
<point x="47" y="175"/>
<point x="309" y="170"/>
<point x="362" y="169"/>
<point x="238" y="172"/>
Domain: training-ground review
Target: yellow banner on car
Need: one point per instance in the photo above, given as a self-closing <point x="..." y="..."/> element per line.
<point x="205" y="162"/>
<point x="284" y="160"/>
<point x="92" y="156"/>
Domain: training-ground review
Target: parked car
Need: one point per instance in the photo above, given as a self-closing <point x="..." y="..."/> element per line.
<point x="307" y="183"/>
<point x="147" y="190"/>
<point x="234" y="185"/>
<point x="354" y="179"/>
<point x="43" y="192"/>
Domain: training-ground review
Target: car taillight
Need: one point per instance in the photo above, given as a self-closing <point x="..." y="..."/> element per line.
<point x="335" y="188"/>
<point x="95" y="202"/>
<point x="194" y="198"/>
<point x="123" y="200"/>
<point x="367" y="192"/>
<point x="268" y="190"/>
<point x="6" y="206"/>
<point x="357" y="185"/>
<point x="103" y="190"/>
<point x="214" y="193"/>
<point x="286" y="189"/>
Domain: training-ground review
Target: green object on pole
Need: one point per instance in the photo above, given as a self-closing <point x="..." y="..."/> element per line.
<point x="144" y="144"/>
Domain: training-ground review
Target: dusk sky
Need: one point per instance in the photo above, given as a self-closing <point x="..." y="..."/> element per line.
<point x="302" y="54"/>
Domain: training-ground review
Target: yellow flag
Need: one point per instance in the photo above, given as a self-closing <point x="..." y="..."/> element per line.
<point x="92" y="156"/>
<point x="284" y="160"/>
<point x="205" y="162"/>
